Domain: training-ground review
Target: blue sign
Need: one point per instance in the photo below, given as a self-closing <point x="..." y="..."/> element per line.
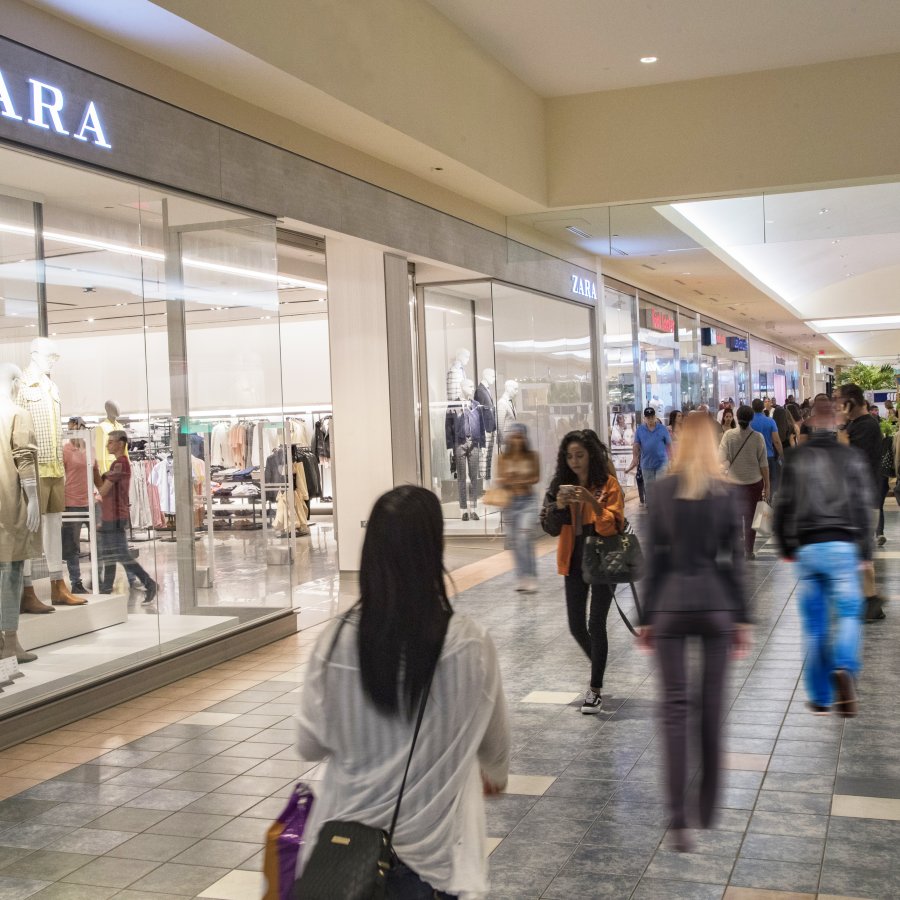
<point x="737" y="344"/>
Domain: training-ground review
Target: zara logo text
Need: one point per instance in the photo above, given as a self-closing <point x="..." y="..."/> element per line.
<point x="584" y="287"/>
<point x="46" y="108"/>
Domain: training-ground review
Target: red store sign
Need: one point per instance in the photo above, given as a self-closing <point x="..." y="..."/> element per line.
<point x="659" y="320"/>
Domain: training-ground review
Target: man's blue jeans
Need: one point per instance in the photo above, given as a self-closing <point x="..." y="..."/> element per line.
<point x="830" y="590"/>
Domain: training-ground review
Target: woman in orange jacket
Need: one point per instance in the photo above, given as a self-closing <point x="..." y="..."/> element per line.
<point x="585" y="498"/>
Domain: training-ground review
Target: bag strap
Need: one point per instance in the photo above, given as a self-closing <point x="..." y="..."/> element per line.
<point x="412" y="748"/>
<point x="637" y="606"/>
<point x="736" y="455"/>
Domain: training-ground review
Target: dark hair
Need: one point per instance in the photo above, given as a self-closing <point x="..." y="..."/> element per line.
<point x="118" y="435"/>
<point x="673" y="417"/>
<point x="853" y="393"/>
<point x="757" y="405"/>
<point x="745" y="415"/>
<point x="795" y="411"/>
<point x="77" y="421"/>
<point x="404" y="608"/>
<point x="726" y="412"/>
<point x="600" y="463"/>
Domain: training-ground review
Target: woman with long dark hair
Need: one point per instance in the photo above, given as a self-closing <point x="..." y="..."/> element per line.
<point x="694" y="586"/>
<point x="365" y="681"/>
<point x="728" y="421"/>
<point x="585" y="498"/>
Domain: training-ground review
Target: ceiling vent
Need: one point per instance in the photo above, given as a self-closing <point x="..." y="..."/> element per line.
<point x="651" y="268"/>
<point x="578" y="232"/>
<point x="617" y="251"/>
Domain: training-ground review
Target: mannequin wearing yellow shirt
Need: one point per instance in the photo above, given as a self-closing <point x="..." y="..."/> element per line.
<point x="101" y="436"/>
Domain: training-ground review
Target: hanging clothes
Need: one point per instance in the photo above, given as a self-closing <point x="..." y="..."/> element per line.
<point x="141" y="510"/>
<point x="301" y="504"/>
<point x="220" y="448"/>
<point x="163" y="478"/>
<point x="322" y="445"/>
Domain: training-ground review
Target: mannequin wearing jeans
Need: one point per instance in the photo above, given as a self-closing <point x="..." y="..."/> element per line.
<point x="20" y="517"/>
<point x="466" y="439"/>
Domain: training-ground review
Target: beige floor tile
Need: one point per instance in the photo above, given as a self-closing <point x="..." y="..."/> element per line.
<point x="836" y="897"/>
<point x="166" y="716"/>
<point x="146" y="702"/>
<point x="218" y="695"/>
<point x="77" y="755"/>
<point x="236" y="885"/>
<point x="9" y="787"/>
<point x="740" y="893"/>
<point x="207" y="718"/>
<point x="7" y="765"/>
<point x="139" y="729"/>
<point x="749" y="762"/>
<point x="187" y="705"/>
<point x="491" y="844"/>
<point x="42" y="769"/>
<point x="561" y="697"/>
<point x="28" y="751"/>
<point x="57" y="738"/>
<point x="865" y="807"/>
<point x="532" y="785"/>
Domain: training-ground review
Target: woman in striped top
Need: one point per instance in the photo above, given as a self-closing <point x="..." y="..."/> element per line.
<point x="362" y="693"/>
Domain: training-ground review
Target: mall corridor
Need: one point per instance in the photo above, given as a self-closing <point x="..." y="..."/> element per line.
<point x="171" y="794"/>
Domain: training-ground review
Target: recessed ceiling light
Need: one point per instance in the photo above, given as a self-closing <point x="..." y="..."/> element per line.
<point x="649" y="59"/>
<point x="685" y="273"/>
<point x="88" y="320"/>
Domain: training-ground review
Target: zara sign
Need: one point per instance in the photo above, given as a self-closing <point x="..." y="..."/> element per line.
<point x="584" y="287"/>
<point x="46" y="105"/>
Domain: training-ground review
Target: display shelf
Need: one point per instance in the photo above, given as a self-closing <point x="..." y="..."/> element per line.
<point x="101" y="611"/>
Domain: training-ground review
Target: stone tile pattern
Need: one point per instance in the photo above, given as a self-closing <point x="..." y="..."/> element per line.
<point x="170" y="795"/>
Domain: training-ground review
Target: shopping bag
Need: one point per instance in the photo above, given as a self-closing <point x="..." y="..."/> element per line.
<point x="762" y="519"/>
<point x="496" y="496"/>
<point x="283" y="841"/>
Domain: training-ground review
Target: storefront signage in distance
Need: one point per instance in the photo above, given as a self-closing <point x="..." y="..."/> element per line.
<point x="47" y="105"/>
<point x="659" y="320"/>
<point x="737" y="344"/>
<point x="584" y="287"/>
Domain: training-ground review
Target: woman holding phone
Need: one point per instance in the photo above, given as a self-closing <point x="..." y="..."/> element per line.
<point x="585" y="498"/>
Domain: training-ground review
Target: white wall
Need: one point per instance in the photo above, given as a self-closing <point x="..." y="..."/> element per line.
<point x="230" y="368"/>
<point x="361" y="447"/>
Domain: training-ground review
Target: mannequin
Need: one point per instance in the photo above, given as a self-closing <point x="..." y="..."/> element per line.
<point x="457" y="373"/>
<point x="39" y="396"/>
<point x="465" y="439"/>
<point x="485" y="397"/>
<point x="506" y="407"/>
<point x="20" y="510"/>
<point x="101" y="435"/>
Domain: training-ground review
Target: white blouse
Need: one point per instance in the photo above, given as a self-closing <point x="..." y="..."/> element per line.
<point x="441" y="830"/>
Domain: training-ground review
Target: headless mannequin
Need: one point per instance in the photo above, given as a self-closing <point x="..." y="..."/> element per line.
<point x="101" y="435"/>
<point x="465" y="440"/>
<point x="456" y="374"/>
<point x="39" y="396"/>
<point x="21" y="514"/>
<point x="484" y="396"/>
<point x="506" y="408"/>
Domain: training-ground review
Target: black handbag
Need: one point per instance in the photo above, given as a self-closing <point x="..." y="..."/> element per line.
<point x="350" y="860"/>
<point x="612" y="559"/>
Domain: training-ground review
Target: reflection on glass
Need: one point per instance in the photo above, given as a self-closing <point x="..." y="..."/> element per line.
<point x="621" y="380"/>
<point x="659" y="357"/>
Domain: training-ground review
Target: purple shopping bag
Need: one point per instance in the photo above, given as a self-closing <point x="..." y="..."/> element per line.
<point x="283" y="841"/>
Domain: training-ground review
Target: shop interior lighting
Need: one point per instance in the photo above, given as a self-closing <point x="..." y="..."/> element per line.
<point x="857" y="323"/>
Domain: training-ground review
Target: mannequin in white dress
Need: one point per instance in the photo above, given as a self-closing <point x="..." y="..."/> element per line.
<point x="506" y="407"/>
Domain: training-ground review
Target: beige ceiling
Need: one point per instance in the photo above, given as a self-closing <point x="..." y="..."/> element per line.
<point x="580" y="46"/>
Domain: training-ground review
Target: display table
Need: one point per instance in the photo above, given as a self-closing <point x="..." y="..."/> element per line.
<point x="101" y="611"/>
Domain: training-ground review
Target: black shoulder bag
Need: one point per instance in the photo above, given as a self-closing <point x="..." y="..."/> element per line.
<point x="350" y="860"/>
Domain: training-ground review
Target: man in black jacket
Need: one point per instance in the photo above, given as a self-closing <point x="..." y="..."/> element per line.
<point x="863" y="432"/>
<point x="822" y="521"/>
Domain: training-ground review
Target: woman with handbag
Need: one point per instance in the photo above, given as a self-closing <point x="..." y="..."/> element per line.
<point x="399" y="659"/>
<point x="518" y="470"/>
<point x="743" y="453"/>
<point x="690" y="589"/>
<point x="584" y="498"/>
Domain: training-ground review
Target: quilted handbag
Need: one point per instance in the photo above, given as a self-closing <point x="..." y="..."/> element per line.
<point x="612" y="559"/>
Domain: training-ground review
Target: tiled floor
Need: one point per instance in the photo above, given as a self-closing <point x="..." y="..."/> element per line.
<point x="170" y="795"/>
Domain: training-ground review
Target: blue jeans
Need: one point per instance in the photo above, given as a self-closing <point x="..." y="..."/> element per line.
<point x="114" y="549"/>
<point x="830" y="588"/>
<point x="521" y="517"/>
<point x="774" y="475"/>
<point x="404" y="884"/>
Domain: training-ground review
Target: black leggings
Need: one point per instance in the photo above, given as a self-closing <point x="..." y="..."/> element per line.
<point x="588" y="631"/>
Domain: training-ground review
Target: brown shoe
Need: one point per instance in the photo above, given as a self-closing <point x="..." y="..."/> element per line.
<point x="60" y="595"/>
<point x="31" y="603"/>
<point x="846" y="704"/>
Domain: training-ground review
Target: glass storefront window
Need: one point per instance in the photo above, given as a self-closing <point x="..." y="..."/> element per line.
<point x="495" y="355"/>
<point x="133" y="309"/>
<point x="661" y="386"/>
<point x="690" y="361"/>
<point x="620" y="339"/>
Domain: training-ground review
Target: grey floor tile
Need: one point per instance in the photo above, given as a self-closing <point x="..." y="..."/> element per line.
<point x="19" y="888"/>
<point x="510" y="881"/>
<point x="224" y="804"/>
<point x="545" y="856"/>
<point x="783" y="847"/>
<point x="226" y="765"/>
<point x="32" y="837"/>
<point x="251" y="831"/>
<point x="813" y="784"/>
<point x="253" y="785"/>
<point x="176" y="761"/>
<point x="46" y="865"/>
<point x="124" y="757"/>
<point x="860" y="882"/>
<point x="189" y="824"/>
<point x="607" y="860"/>
<point x="94" y="841"/>
<point x="701" y="867"/>
<point x="572" y="882"/>
<point x="712" y="842"/>
<point x="156" y="743"/>
<point x="186" y="881"/>
<point x="271" y="807"/>
<point x="793" y="802"/>
<point x="107" y="871"/>
<point x="255" y="863"/>
<point x="582" y="788"/>
<point x="210" y="852"/>
<point x="799" y="825"/>
<point x="63" y="891"/>
<point x="160" y="798"/>
<point x="73" y="814"/>
<point x="657" y="888"/>
<point x="128" y="819"/>
<point x="92" y="774"/>
<point x="773" y="875"/>
<point x="867" y="786"/>
<point x="146" y="778"/>
<point x="17" y="809"/>
<point x="158" y="847"/>
<point x="11" y="854"/>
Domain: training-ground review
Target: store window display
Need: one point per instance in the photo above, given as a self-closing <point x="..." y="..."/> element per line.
<point x="506" y="408"/>
<point x="484" y="396"/>
<point x="20" y="511"/>
<point x="101" y="436"/>
<point x="465" y="435"/>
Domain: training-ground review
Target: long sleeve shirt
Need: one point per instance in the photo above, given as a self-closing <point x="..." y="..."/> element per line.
<point x="440" y="832"/>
